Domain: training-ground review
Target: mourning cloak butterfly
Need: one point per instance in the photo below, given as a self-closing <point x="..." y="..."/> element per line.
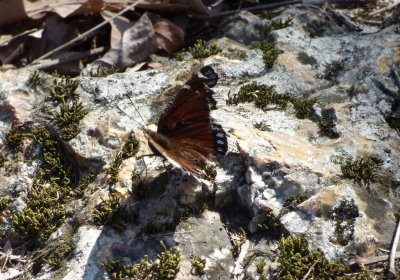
<point x="186" y="135"/>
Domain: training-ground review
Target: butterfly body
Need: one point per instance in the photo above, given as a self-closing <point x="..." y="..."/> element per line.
<point x="186" y="134"/>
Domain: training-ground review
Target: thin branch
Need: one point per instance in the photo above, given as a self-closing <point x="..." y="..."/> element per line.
<point x="86" y="33"/>
<point x="372" y="260"/>
<point x="69" y="57"/>
<point x="393" y="248"/>
<point x="309" y="271"/>
<point x="5" y="42"/>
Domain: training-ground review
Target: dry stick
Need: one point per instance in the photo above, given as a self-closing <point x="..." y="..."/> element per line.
<point x="5" y="42"/>
<point x="67" y="58"/>
<point x="86" y="33"/>
<point x="393" y="248"/>
<point x="372" y="260"/>
<point x="309" y="271"/>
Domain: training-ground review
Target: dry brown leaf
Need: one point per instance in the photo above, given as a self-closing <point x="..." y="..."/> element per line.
<point x="137" y="43"/>
<point x="118" y="26"/>
<point x="170" y="36"/>
<point x="11" y="11"/>
<point x="176" y="6"/>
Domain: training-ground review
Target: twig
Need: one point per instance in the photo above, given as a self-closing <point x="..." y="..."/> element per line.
<point x="85" y="33"/>
<point x="393" y="248"/>
<point x="17" y="36"/>
<point x="383" y="10"/>
<point x="342" y="18"/>
<point x="372" y="260"/>
<point x="69" y="57"/>
<point x="309" y="271"/>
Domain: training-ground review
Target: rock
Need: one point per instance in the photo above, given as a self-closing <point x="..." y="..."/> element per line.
<point x="274" y="156"/>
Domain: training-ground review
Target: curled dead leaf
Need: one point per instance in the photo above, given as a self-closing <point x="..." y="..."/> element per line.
<point x="170" y="36"/>
<point x="137" y="43"/>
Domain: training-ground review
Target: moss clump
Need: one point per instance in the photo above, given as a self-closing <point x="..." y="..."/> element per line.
<point x="4" y="203"/>
<point x="198" y="264"/>
<point x="332" y="70"/>
<point x="14" y="137"/>
<point x="260" y="270"/>
<point x="84" y="183"/>
<point x="35" y="80"/>
<point x="270" y="53"/>
<point x="276" y="24"/>
<point x="296" y="261"/>
<point x="3" y="161"/>
<point x="59" y="256"/>
<point x="264" y="96"/>
<point x="139" y="189"/>
<point x="362" y="169"/>
<point x="303" y="107"/>
<point x="270" y="222"/>
<point x="241" y="237"/>
<point x="165" y="267"/>
<point x="345" y="215"/>
<point x="129" y="149"/>
<point x="211" y="172"/>
<point x="52" y="186"/>
<point x="327" y="128"/>
<point x="292" y="201"/>
<point x="68" y="118"/>
<point x="200" y="50"/>
<point x="63" y="90"/>
<point x="111" y="213"/>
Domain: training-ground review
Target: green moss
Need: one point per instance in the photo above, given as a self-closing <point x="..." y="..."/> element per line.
<point x="51" y="188"/>
<point x="68" y="118"/>
<point x="35" y="80"/>
<point x="198" y="264"/>
<point x="291" y="202"/>
<point x="362" y="169"/>
<point x="4" y="203"/>
<point x="264" y="96"/>
<point x="84" y="183"/>
<point x="165" y="267"/>
<point x="344" y="216"/>
<point x="297" y="260"/>
<point x="63" y="90"/>
<point x="129" y="149"/>
<point x="327" y="128"/>
<point x="59" y="256"/>
<point x="200" y="50"/>
<point x="270" y="53"/>
<point x="303" y="107"/>
<point x="332" y="70"/>
<point x="276" y="24"/>
<point x="240" y="239"/>
<point x="14" y="137"/>
<point x="211" y="171"/>
<point x="111" y="213"/>
<point x="270" y="222"/>
<point x="154" y="227"/>
<point x="397" y="215"/>
<point x="3" y="161"/>
<point x="260" y="270"/>
<point x="139" y="189"/>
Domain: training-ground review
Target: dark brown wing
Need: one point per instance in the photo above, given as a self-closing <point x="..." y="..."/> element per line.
<point x="186" y="133"/>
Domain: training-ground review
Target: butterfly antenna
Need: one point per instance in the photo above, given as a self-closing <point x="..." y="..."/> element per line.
<point x="137" y="111"/>
<point x="129" y="116"/>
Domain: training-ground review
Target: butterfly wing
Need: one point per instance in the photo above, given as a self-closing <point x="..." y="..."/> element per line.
<point x="186" y="134"/>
